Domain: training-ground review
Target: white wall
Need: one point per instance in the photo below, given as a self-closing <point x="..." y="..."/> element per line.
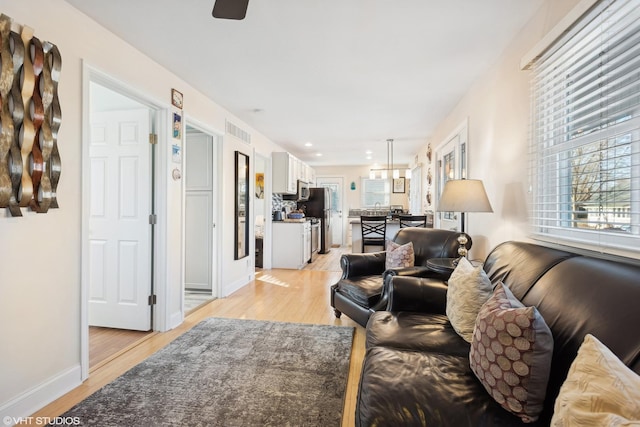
<point x="497" y="107"/>
<point x="40" y="255"/>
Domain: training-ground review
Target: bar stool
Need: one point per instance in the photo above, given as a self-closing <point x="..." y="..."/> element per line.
<point x="374" y="230"/>
<point x="413" y="221"/>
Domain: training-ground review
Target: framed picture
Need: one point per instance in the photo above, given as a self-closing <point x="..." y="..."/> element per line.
<point x="176" y="98"/>
<point x="398" y="185"/>
<point x="259" y="185"/>
<point x="177" y="126"/>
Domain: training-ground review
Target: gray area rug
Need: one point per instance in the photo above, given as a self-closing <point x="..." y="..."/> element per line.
<point x="230" y="372"/>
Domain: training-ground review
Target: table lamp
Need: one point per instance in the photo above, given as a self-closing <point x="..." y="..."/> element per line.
<point x="464" y="195"/>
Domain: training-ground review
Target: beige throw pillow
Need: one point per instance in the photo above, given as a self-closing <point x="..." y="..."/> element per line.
<point x="511" y="354"/>
<point x="599" y="390"/>
<point x="468" y="289"/>
<point x="399" y="255"/>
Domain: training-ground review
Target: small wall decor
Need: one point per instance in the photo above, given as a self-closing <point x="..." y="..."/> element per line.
<point x="353" y="185"/>
<point x="398" y="185"/>
<point x="176" y="153"/>
<point x="177" y="126"/>
<point x="30" y="118"/>
<point x="176" y="99"/>
<point x="429" y="152"/>
<point x="259" y="185"/>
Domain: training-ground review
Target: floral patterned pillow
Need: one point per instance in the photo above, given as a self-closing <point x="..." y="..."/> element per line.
<point x="399" y="255"/>
<point x="511" y="354"/>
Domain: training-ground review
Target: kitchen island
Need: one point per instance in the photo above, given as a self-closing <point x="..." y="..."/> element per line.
<point x="393" y="225"/>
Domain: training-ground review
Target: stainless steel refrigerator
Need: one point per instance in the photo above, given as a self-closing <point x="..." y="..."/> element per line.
<point x="319" y="206"/>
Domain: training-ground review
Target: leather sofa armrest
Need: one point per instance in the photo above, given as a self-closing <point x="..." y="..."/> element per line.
<point x="365" y="264"/>
<point x="417" y="294"/>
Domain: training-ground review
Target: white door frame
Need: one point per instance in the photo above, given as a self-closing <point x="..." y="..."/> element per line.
<point x="456" y="140"/>
<point x="159" y="317"/>
<point x="216" y="266"/>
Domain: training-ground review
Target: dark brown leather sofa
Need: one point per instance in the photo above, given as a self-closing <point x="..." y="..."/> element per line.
<point x="360" y="290"/>
<point x="416" y="369"/>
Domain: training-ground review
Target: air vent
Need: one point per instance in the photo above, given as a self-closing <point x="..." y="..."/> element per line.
<point x="238" y="132"/>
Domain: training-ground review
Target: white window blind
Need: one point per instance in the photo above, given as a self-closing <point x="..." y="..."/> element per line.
<point x="375" y="192"/>
<point x="585" y="144"/>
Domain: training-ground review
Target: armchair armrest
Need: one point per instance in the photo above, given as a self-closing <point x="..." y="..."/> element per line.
<point x="417" y="294"/>
<point x="365" y="264"/>
<point x="416" y="271"/>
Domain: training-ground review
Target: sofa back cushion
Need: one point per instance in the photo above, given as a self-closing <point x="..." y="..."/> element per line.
<point x="584" y="295"/>
<point x="519" y="265"/>
<point x="430" y="243"/>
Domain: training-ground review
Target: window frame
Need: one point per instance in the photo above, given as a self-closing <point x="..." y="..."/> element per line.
<point x="386" y="193"/>
<point x="551" y="179"/>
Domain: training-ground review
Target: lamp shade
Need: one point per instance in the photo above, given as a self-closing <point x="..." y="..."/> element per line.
<point x="464" y="195"/>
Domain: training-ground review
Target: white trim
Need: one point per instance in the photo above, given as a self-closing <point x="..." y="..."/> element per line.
<point x="560" y="29"/>
<point x="177" y="318"/>
<point x="162" y="111"/>
<point x="234" y="286"/>
<point x="218" y="138"/>
<point x="24" y="405"/>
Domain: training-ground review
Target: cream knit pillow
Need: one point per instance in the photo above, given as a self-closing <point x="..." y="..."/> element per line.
<point x="599" y="390"/>
<point x="469" y="288"/>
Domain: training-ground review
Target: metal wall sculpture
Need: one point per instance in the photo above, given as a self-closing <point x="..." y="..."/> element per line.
<point x="30" y="117"/>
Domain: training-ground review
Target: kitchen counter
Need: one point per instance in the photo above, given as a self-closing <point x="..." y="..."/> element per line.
<point x="393" y="226"/>
<point x="356" y="220"/>
<point x="291" y="244"/>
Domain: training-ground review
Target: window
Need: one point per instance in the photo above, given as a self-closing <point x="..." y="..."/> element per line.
<point x="375" y="192"/>
<point x="585" y="145"/>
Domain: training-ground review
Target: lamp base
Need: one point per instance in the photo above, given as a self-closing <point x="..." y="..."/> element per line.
<point x="462" y="248"/>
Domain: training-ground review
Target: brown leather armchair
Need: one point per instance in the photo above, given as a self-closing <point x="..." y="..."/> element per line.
<point x="362" y="289"/>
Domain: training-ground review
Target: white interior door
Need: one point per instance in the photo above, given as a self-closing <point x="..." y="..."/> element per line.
<point x="119" y="231"/>
<point x="199" y="211"/>
<point x="336" y="185"/>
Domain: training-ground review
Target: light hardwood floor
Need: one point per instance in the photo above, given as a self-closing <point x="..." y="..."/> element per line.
<point x="278" y="295"/>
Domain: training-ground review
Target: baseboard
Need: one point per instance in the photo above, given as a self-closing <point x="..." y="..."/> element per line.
<point x="234" y="286"/>
<point x="38" y="397"/>
<point x="176" y="319"/>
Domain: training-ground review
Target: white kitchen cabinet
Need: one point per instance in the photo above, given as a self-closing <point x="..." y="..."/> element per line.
<point x="284" y="173"/>
<point x="291" y="244"/>
<point x="287" y="170"/>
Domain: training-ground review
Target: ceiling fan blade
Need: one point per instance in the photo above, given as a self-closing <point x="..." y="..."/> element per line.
<point x="230" y="9"/>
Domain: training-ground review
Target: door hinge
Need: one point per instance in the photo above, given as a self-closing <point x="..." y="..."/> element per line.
<point x="152" y="299"/>
<point x="153" y="138"/>
<point x="153" y="219"/>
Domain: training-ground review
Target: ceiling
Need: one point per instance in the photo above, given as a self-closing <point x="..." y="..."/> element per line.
<point x="344" y="75"/>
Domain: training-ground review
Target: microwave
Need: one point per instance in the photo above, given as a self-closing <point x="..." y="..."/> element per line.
<point x="302" y="195"/>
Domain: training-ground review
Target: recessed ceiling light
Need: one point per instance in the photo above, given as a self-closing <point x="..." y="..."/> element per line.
<point x="369" y="157"/>
<point x="308" y="144"/>
<point x="318" y="154"/>
<point x="368" y="152"/>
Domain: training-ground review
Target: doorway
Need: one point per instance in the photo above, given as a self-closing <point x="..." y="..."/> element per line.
<point x="201" y="255"/>
<point x="336" y="185"/>
<point x="451" y="161"/>
<point x="119" y="190"/>
<point x="261" y="208"/>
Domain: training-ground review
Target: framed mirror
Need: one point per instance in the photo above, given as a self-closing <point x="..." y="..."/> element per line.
<point x="241" y="240"/>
